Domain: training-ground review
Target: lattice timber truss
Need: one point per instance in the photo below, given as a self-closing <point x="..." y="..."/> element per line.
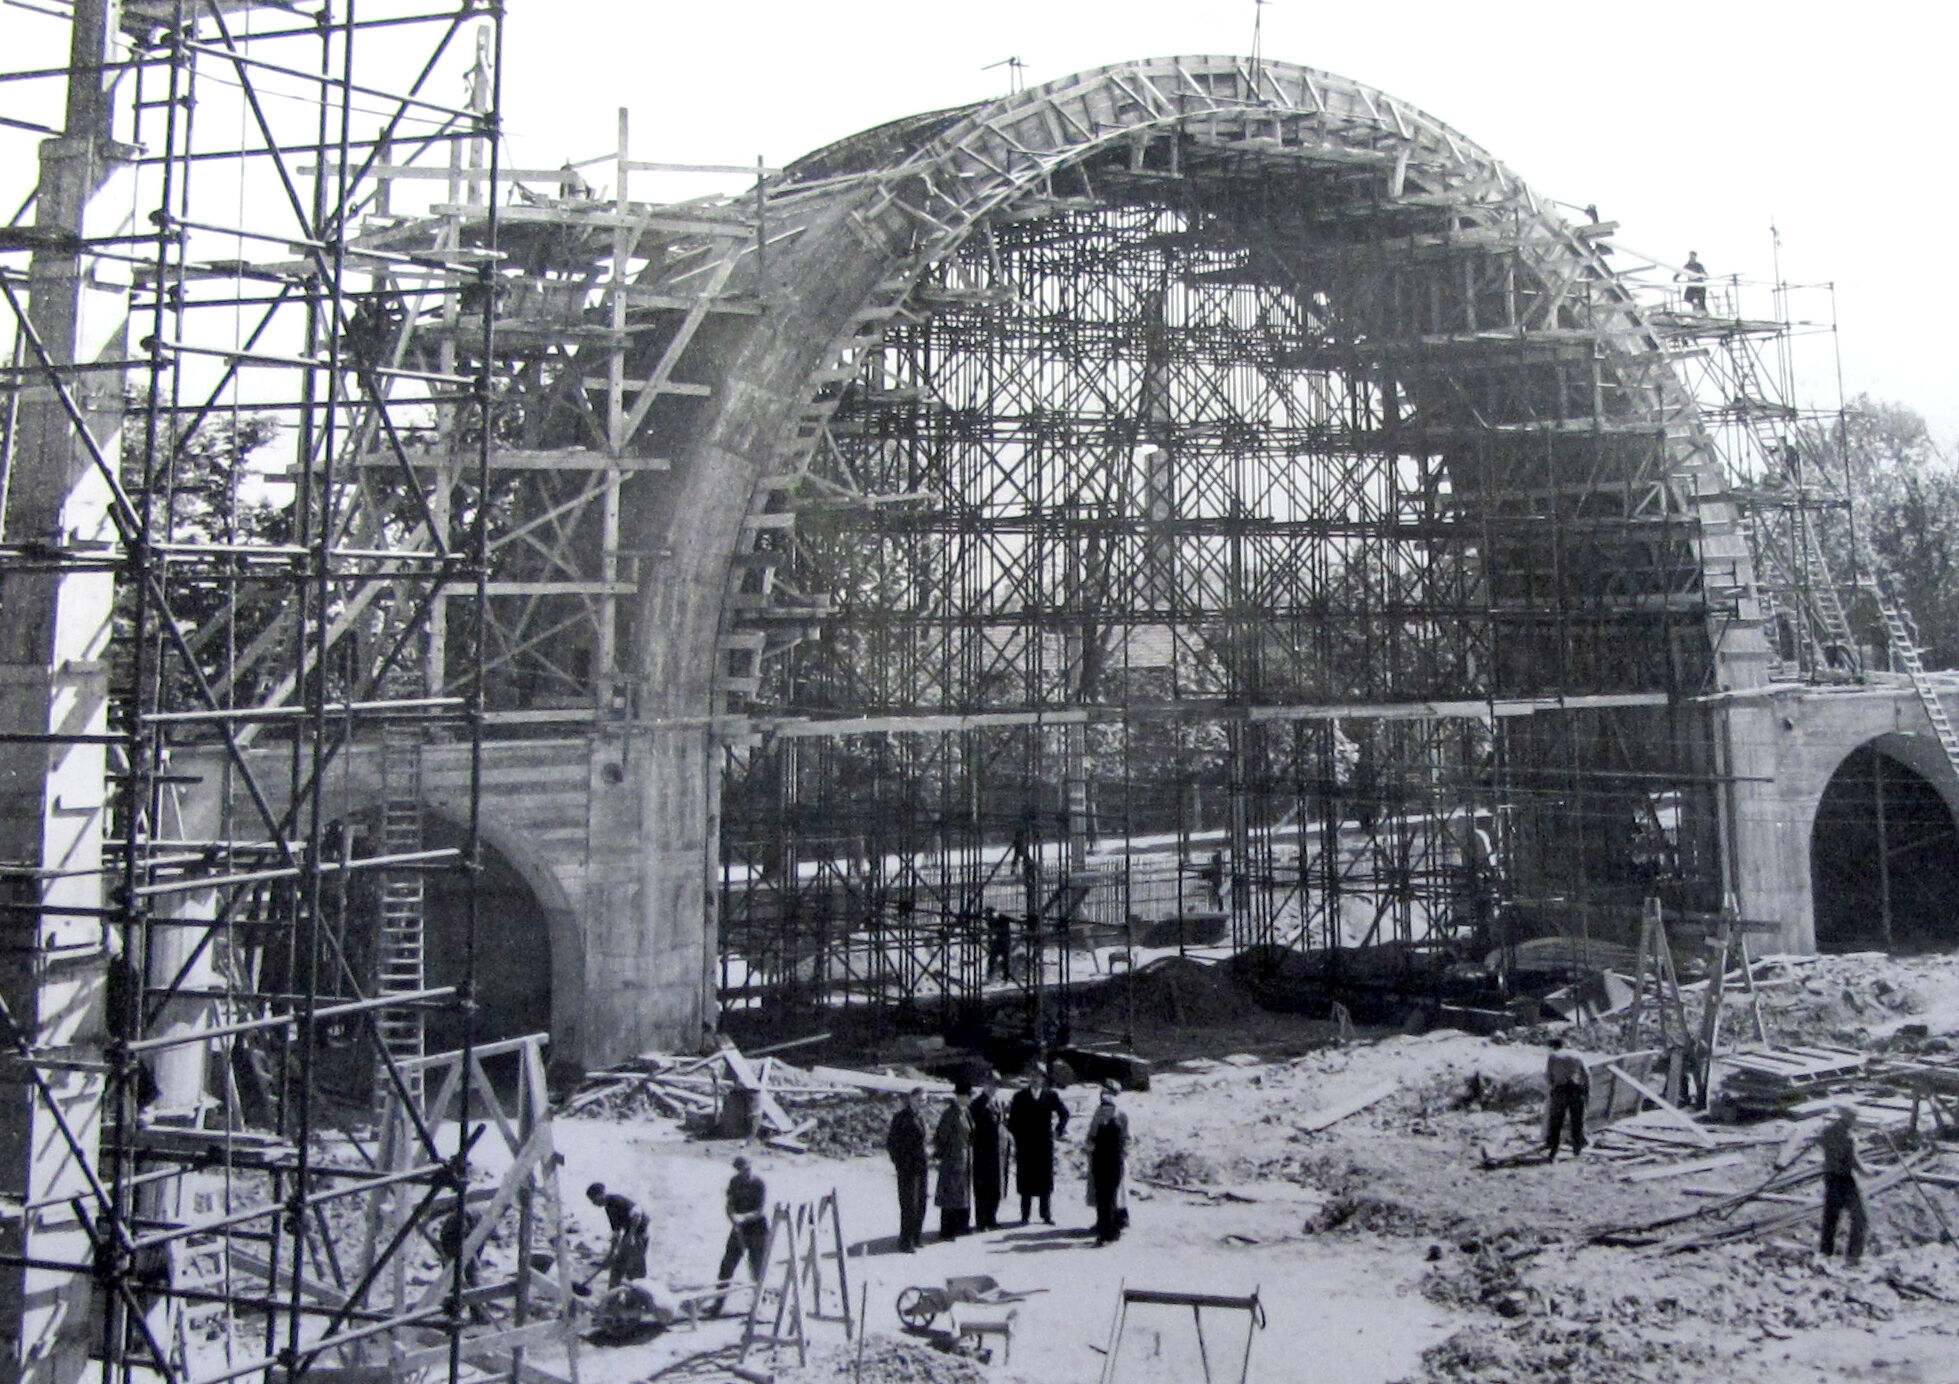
<point x="1269" y="512"/>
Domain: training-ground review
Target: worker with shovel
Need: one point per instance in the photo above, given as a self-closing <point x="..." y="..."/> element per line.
<point x="625" y="1257"/>
<point x="748" y="1230"/>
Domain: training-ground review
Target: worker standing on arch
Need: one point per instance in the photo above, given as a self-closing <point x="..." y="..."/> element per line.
<point x="1694" y="274"/>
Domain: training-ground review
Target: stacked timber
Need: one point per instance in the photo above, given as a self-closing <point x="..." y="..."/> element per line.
<point x="723" y="1092"/>
<point x="1777" y="1080"/>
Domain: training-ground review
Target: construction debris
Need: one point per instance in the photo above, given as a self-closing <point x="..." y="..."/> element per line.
<point x="722" y="1091"/>
<point x="1315" y="1120"/>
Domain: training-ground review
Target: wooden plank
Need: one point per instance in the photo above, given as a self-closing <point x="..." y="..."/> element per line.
<point x="878" y="1081"/>
<point x="1697" y="1165"/>
<point x="745" y="1077"/>
<point x="1331" y="1115"/>
<point x="1673" y="1111"/>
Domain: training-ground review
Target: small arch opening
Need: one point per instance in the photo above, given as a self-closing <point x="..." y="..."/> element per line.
<point x="1884" y="859"/>
<point x="512" y="954"/>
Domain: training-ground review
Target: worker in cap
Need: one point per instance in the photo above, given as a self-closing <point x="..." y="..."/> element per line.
<point x="625" y="1256"/>
<point x="1842" y="1192"/>
<point x="1108" y="1150"/>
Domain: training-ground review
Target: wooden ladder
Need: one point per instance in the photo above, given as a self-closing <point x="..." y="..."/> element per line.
<point x="1902" y="632"/>
<point x="400" y="944"/>
<point x="1654" y="965"/>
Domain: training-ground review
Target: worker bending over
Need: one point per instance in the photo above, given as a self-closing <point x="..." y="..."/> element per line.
<point x="625" y="1257"/>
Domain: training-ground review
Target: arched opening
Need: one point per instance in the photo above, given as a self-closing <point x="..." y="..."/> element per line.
<point x="1884" y="859"/>
<point x="512" y="962"/>
<point x="513" y="946"/>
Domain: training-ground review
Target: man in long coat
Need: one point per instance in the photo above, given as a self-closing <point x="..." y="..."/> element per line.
<point x="952" y="1142"/>
<point x="906" y="1144"/>
<point x="989" y="1156"/>
<point x="1036" y="1118"/>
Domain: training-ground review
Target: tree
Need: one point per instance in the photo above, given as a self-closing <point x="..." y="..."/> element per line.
<point x="200" y="492"/>
<point x="1905" y="494"/>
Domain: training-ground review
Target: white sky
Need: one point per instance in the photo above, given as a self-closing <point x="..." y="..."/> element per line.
<point x="1695" y="125"/>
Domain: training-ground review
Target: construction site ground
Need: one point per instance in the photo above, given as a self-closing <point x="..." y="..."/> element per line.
<point x="1418" y="1238"/>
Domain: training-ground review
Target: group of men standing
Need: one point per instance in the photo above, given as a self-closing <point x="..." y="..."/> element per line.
<point x="973" y="1144"/>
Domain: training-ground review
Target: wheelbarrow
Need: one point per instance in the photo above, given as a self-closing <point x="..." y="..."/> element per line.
<point x="919" y="1307"/>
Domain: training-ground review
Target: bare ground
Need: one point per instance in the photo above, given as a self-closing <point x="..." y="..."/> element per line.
<point x="1385" y="1247"/>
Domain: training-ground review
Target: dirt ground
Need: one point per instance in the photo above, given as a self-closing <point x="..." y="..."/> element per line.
<point x="1415" y="1240"/>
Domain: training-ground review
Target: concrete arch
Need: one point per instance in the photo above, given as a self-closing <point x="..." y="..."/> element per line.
<point x="868" y="215"/>
<point x="1884" y="848"/>
<point x="853" y="228"/>
<point x="1783" y="747"/>
<point x="564" y="937"/>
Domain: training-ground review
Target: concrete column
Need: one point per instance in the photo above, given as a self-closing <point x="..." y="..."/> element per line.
<point x="54" y="634"/>
<point x="1770" y="807"/>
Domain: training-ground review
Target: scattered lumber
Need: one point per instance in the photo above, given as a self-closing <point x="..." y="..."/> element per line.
<point x="1315" y="1120"/>
<point x="695" y="1088"/>
<point x="1877" y="1185"/>
<point x="1697" y="1165"/>
<point x="1680" y="1116"/>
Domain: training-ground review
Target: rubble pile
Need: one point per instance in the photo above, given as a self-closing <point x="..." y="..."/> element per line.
<point x="1179" y="1168"/>
<point x="1853" y="997"/>
<point x="1544" y="1351"/>
<point x="845" y="1126"/>
<point x="1580" y="1316"/>
<point x="1177" y="992"/>
<point x="887" y="1360"/>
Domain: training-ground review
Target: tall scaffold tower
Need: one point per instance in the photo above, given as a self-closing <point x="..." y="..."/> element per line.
<point x="1761" y="357"/>
<point x="244" y="462"/>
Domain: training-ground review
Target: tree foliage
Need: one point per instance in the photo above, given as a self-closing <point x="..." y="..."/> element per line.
<point x="1905" y="503"/>
<point x="198" y="489"/>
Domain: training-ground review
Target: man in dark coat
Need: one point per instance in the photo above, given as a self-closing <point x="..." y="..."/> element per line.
<point x="989" y="1156"/>
<point x="1108" y="1150"/>
<point x="906" y="1145"/>
<point x="1036" y="1118"/>
<point x="952" y="1143"/>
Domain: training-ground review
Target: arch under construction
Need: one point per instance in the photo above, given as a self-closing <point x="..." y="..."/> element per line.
<point x="1197" y="501"/>
<point x="1192" y="495"/>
